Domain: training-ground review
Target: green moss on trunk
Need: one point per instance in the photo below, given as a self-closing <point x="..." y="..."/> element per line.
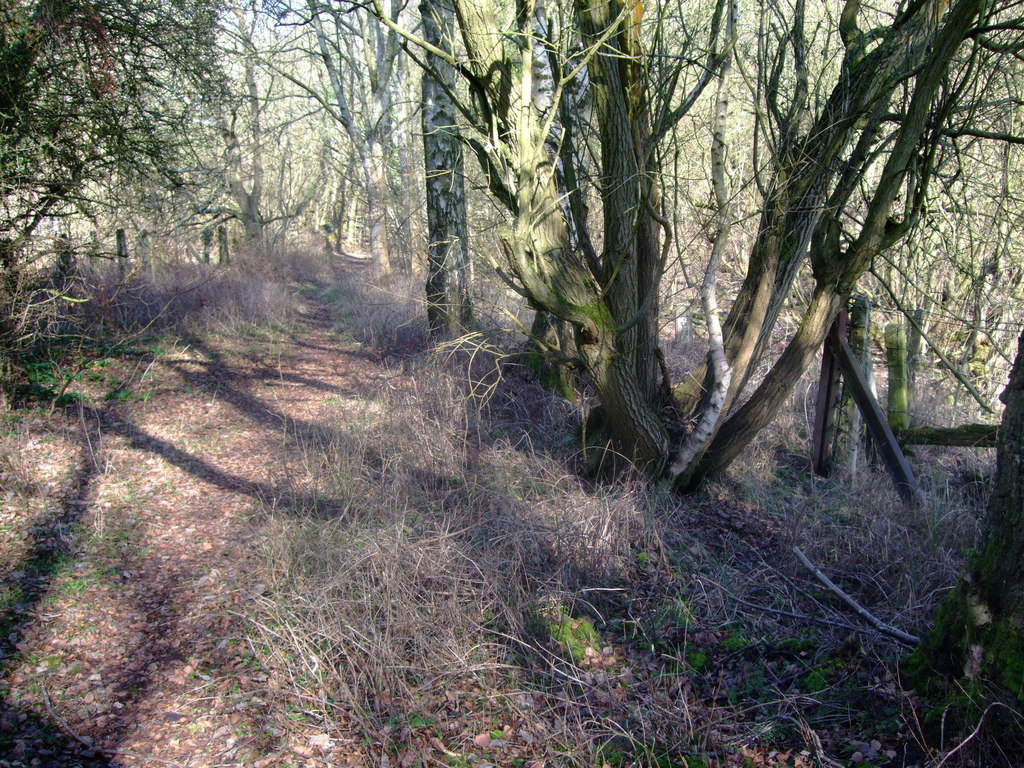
<point x="979" y="629"/>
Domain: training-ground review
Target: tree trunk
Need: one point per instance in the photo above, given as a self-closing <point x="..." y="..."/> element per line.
<point x="448" y="302"/>
<point x="914" y="350"/>
<point x="548" y="334"/>
<point x="405" y="192"/>
<point x="206" y="237"/>
<point x="611" y="301"/>
<point x="65" y="266"/>
<point x="223" y="247"/>
<point x="122" y="250"/>
<point x="376" y="210"/>
<point x="965" y="435"/>
<point x="898" y="392"/>
<point x="979" y="629"/>
<point x="768" y="399"/>
<point x="847" y="156"/>
<point x="859" y="338"/>
<point x="719" y="372"/>
<point x="624" y="362"/>
<point x="145" y="249"/>
<point x="802" y="219"/>
<point x="366" y="139"/>
<point x="249" y="202"/>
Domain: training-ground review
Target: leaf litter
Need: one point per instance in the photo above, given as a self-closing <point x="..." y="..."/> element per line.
<point x="126" y="627"/>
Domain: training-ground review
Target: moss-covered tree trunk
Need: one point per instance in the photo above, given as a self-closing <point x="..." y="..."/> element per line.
<point x="625" y="361"/>
<point x="845" y="154"/>
<point x="899" y="392"/>
<point x="609" y="298"/>
<point x="852" y="123"/>
<point x="979" y="629"/>
<point x="551" y="343"/>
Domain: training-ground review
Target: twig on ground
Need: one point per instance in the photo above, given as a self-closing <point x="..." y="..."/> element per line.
<point x="791" y="614"/>
<point x="67" y="729"/>
<point x="72" y="734"/>
<point x="976" y="731"/>
<point x="870" y="618"/>
<point x="788" y="581"/>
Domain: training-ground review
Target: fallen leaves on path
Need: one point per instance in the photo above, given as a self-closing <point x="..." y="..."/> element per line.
<point x="129" y="535"/>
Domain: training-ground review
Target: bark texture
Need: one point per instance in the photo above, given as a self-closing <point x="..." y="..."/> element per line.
<point x="979" y="629"/>
<point x="610" y="298"/>
<point x="448" y="301"/>
<point x="847" y="154"/>
<point x="818" y="174"/>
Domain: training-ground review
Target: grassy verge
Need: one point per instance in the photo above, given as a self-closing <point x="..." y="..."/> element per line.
<point x="468" y="599"/>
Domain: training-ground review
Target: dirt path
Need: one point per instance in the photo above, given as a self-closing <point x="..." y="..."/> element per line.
<point x="129" y="538"/>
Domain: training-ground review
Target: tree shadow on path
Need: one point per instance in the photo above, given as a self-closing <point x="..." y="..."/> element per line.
<point x="53" y="542"/>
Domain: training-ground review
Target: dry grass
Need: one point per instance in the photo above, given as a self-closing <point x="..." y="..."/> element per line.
<point x="181" y="298"/>
<point x="441" y="547"/>
<point x="65" y="323"/>
<point x="417" y="607"/>
<point x="387" y="319"/>
<point x="895" y="557"/>
<point x="420" y="599"/>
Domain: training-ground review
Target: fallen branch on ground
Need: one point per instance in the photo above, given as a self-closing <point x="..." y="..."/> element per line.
<point x="72" y="734"/>
<point x="870" y="618"/>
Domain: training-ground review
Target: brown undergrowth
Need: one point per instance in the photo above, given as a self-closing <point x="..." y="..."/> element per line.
<point x="324" y="539"/>
<point x="474" y="600"/>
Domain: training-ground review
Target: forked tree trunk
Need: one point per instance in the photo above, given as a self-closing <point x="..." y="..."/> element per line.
<point x="613" y="303"/>
<point x="822" y="165"/>
<point x="979" y="629"/>
<point x="624" y="358"/>
<point x="795" y="224"/>
<point x="768" y="399"/>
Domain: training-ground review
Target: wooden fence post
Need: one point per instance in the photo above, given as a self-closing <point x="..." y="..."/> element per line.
<point x="885" y="440"/>
<point x="122" y="251"/>
<point x="206" y="237"/>
<point x="896" y="358"/>
<point x="827" y="407"/>
<point x="145" y="249"/>
<point x="65" y="266"/>
<point x="860" y="324"/>
<point x="223" y="251"/>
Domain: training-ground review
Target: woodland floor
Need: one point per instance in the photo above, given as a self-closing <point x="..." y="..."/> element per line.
<point x="127" y="570"/>
<point x="129" y="560"/>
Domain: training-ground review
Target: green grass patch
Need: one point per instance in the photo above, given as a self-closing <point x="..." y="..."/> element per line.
<point x="574" y="635"/>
